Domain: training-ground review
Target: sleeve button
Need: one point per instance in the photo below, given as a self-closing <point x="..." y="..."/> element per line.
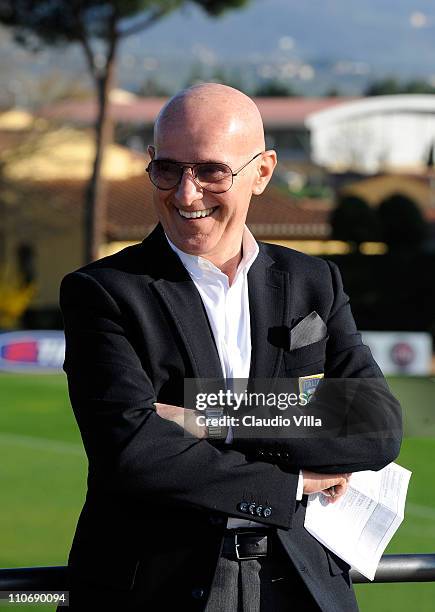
<point x="243" y="507"/>
<point x="267" y="511"/>
<point x="198" y="593"/>
<point x="252" y="507"/>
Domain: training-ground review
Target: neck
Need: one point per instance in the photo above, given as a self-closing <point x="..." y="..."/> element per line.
<point x="229" y="267"/>
<point x="227" y="260"/>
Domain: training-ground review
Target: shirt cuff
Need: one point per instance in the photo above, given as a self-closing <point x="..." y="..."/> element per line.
<point x="229" y="438"/>
<point x="300" y="489"/>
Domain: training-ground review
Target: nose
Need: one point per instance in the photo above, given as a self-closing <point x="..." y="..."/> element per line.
<point x="187" y="190"/>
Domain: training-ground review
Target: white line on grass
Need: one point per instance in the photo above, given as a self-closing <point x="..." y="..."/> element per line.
<point x="55" y="446"/>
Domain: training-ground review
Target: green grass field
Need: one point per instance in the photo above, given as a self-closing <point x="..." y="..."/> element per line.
<point x="43" y="479"/>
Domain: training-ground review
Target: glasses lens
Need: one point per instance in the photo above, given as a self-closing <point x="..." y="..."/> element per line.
<point x="164" y="174"/>
<point x="214" y="177"/>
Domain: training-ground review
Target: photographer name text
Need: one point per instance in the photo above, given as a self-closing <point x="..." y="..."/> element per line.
<point x="253" y="421"/>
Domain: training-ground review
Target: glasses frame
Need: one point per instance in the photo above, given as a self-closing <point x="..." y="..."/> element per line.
<point x="193" y="166"/>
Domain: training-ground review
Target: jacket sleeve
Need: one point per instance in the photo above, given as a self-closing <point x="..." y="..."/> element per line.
<point x="133" y="453"/>
<point x="365" y="422"/>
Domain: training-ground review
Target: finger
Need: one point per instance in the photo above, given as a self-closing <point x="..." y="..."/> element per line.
<point x="333" y="500"/>
<point x="338" y="495"/>
<point x="163" y="408"/>
<point x="340" y="490"/>
<point x="159" y="409"/>
<point x="326" y="493"/>
<point x="330" y="491"/>
<point x="167" y="412"/>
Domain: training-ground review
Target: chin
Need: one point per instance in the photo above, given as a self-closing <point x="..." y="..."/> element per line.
<point x="196" y="246"/>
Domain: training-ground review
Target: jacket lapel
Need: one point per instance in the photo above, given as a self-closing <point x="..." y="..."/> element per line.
<point x="184" y="304"/>
<point x="269" y="311"/>
<point x="187" y="311"/>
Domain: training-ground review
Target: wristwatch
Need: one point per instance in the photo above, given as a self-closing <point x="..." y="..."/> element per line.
<point x="215" y="432"/>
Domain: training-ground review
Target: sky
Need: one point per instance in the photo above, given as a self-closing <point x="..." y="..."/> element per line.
<point x="312" y="46"/>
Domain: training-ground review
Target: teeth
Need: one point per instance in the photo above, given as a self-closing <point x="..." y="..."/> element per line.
<point x="196" y="214"/>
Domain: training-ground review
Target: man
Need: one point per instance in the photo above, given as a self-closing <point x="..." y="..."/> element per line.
<point x="177" y="519"/>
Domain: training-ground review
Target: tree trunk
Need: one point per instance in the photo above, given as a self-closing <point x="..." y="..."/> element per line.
<point x="95" y="198"/>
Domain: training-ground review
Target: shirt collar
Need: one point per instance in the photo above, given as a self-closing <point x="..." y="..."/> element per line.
<point x="197" y="266"/>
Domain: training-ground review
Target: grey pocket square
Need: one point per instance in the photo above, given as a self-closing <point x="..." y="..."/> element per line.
<point x="311" y="329"/>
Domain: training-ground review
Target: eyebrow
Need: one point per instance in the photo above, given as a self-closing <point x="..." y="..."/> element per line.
<point x="206" y="161"/>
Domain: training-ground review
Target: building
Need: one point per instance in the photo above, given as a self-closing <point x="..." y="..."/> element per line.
<point x="284" y="120"/>
<point x="375" y="135"/>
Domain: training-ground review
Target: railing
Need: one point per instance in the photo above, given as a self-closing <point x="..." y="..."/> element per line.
<point x="392" y="568"/>
<point x="402" y="568"/>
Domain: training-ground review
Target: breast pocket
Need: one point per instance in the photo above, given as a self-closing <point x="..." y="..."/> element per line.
<point x="306" y="360"/>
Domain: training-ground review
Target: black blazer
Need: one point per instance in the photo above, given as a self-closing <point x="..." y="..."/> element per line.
<point x="151" y="528"/>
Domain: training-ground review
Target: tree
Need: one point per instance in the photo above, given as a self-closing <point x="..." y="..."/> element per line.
<point x="200" y="74"/>
<point x="152" y="87"/>
<point x="15" y="297"/>
<point x="354" y="221"/>
<point x="383" y="87"/>
<point x="403" y="225"/>
<point x="333" y="92"/>
<point x="98" y="26"/>
<point x="391" y="86"/>
<point x="274" y="89"/>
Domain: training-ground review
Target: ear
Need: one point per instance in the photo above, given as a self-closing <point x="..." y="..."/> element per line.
<point x="151" y="151"/>
<point x="264" y="171"/>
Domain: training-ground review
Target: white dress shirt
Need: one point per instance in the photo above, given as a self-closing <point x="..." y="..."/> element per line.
<point x="227" y="308"/>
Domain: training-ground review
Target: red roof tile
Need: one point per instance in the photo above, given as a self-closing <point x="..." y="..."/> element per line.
<point x="143" y="111"/>
<point x="131" y="215"/>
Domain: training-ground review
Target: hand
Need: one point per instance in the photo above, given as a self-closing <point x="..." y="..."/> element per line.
<point x="185" y="418"/>
<point x="333" y="486"/>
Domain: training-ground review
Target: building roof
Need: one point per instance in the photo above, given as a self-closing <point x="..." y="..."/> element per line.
<point x="272" y="215"/>
<point x="376" y="105"/>
<point x="290" y="111"/>
<point x="55" y="165"/>
<point x="131" y="215"/>
<point x="275" y="214"/>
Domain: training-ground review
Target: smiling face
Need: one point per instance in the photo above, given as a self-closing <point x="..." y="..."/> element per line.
<point x="210" y="122"/>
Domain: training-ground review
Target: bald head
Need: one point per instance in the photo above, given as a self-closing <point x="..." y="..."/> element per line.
<point x="217" y="113"/>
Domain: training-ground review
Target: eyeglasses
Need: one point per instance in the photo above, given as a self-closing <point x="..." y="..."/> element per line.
<point x="211" y="176"/>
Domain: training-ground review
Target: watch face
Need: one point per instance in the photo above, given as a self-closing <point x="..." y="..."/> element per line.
<point x="214" y="428"/>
